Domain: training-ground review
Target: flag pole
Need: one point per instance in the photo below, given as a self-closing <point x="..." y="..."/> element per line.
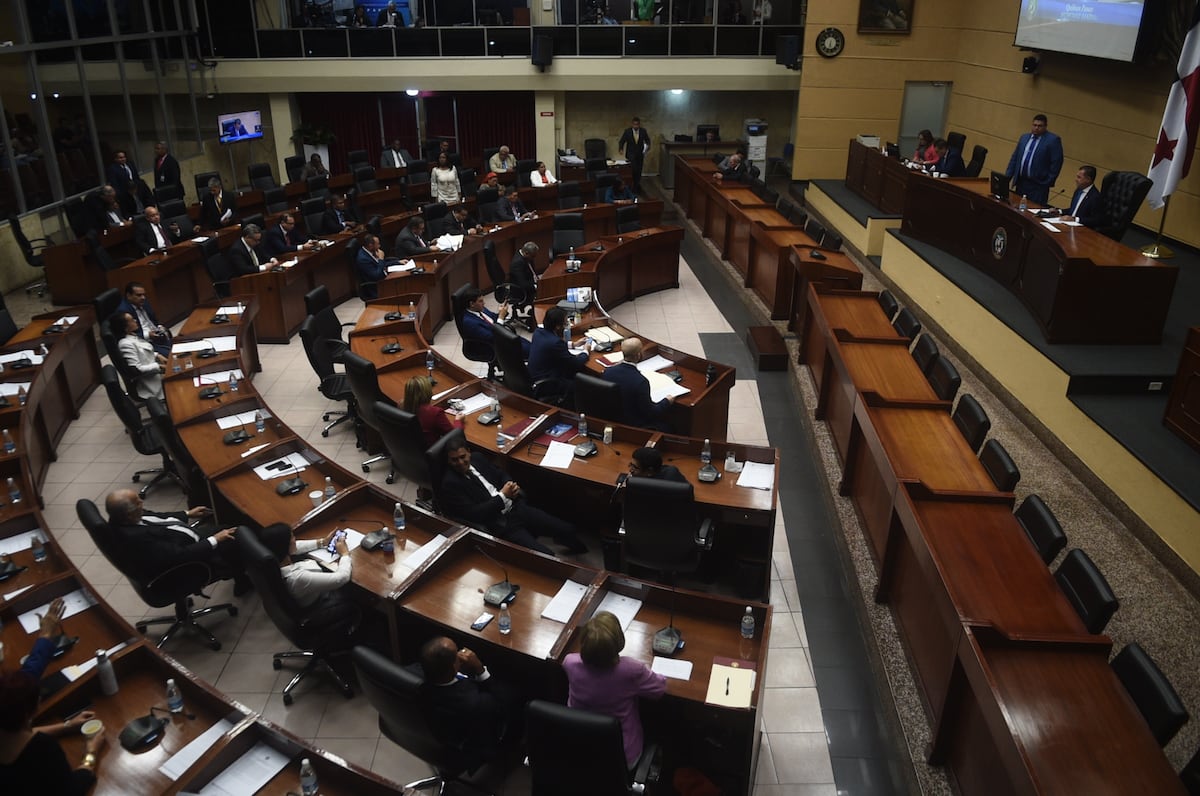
<point x="1156" y="249"/>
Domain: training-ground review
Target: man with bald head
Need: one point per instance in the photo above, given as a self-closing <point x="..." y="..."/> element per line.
<point x="636" y="407"/>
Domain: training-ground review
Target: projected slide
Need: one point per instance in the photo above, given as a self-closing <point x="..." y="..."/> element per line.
<point x="1100" y="28"/>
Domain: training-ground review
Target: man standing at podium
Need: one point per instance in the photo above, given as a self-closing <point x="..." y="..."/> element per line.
<point x="1036" y="162"/>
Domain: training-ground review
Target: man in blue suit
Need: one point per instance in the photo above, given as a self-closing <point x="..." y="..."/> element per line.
<point x="550" y="359"/>
<point x="636" y="407"/>
<point x="149" y="329"/>
<point x="1086" y="206"/>
<point x="1036" y="162"/>
<point x="369" y="264"/>
<point x="949" y="160"/>
<point x="478" y="320"/>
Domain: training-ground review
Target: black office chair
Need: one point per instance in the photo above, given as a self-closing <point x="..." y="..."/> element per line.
<point x="319" y="631"/>
<point x="468" y="183"/>
<point x="759" y="189"/>
<point x="435" y="460"/>
<point x="956" y="141"/>
<point x="312" y="210"/>
<point x="473" y="349"/>
<point x="568" y="195"/>
<point x="174" y="211"/>
<point x="972" y="421"/>
<point x="144" y="437"/>
<point x="333" y="385"/>
<point x="79" y="217"/>
<point x="294" y="166"/>
<point x="191" y="476"/>
<point x="568" y="233"/>
<point x="753" y="172"/>
<point x="486" y="202"/>
<point x="603" y="181"/>
<point x="364" y="178"/>
<point x="487" y="156"/>
<point x="906" y="324"/>
<point x="595" y="167"/>
<point x="516" y="296"/>
<point x="1121" y="195"/>
<point x="8" y="327"/>
<point x="596" y="397"/>
<point x="435" y="214"/>
<point x="595" y="148"/>
<point x="106" y="304"/>
<point x="364" y="382"/>
<point x="1151" y="691"/>
<point x="356" y="158"/>
<point x="317" y="304"/>
<point x="797" y="215"/>
<point x="525" y="170"/>
<point x="275" y="201"/>
<point x="1191" y="775"/>
<point x="167" y="193"/>
<point x="516" y="374"/>
<point x="815" y="230"/>
<point x="129" y="375"/>
<point x="174" y="586"/>
<point x="405" y="443"/>
<point x="975" y="166"/>
<point x="924" y="352"/>
<point x="583" y="748"/>
<point x="661" y="529"/>
<point x="260" y="176"/>
<point x="944" y="378"/>
<point x="418" y="172"/>
<point x="395" y="691"/>
<point x="1086" y="589"/>
<point x="832" y="241"/>
<point x="318" y="187"/>
<point x="201" y="183"/>
<point x="256" y="219"/>
<point x="1041" y="526"/>
<point x="999" y="465"/>
<point x="219" y="272"/>
<point x="31" y="251"/>
<point x="629" y="218"/>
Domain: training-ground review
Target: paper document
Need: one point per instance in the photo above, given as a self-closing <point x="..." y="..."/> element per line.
<point x="228" y="214"/>
<point x="183" y="759"/>
<point x="422" y="553"/>
<point x="353" y="539"/>
<point x="1050" y="226"/>
<point x="66" y="320"/>
<point x="200" y="239"/>
<point x="1070" y="223"/>
<point x="248" y="773"/>
<point x="241" y="419"/>
<point x="218" y="344"/>
<point x="476" y="402"/>
<point x="287" y="263"/>
<point x="287" y="466"/>
<point x="73" y="673"/>
<point x="565" y="602"/>
<point x="13" y="387"/>
<point x="559" y="455"/>
<point x="231" y="309"/>
<point x="75" y="602"/>
<point x="662" y="385"/>
<point x="622" y="607"/>
<point x="604" y="334"/>
<point x="14" y="593"/>
<point x="17" y="356"/>
<point x="18" y="542"/>
<point x="757" y="476"/>
<point x="449" y="243"/>
<point x="656" y="362"/>
<point x="671" y="667"/>
<point x="217" y="377"/>
<point x="730" y="686"/>
<point x="407" y="265"/>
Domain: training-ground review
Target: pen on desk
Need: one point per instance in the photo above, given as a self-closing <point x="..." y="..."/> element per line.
<point x="726" y="686"/>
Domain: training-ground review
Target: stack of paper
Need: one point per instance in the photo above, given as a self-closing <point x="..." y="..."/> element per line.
<point x="756" y="475"/>
<point x="183" y="759"/>
<point x="287" y="466"/>
<point x="656" y="362"/>
<point x="17" y="356"/>
<point x="604" y="334"/>
<point x="662" y="385"/>
<point x="240" y="419"/>
<point x="248" y="773"/>
<point x="231" y="309"/>
<point x="218" y="344"/>
<point x="622" y="607"/>
<point x="75" y="602"/>
<point x="565" y="602"/>
<point x="217" y="377"/>
<point x="407" y="265"/>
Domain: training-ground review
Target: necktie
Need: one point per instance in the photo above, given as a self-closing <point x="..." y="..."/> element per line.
<point x="486" y="317"/>
<point x="219" y="207"/>
<point x="1078" y="202"/>
<point x="128" y="173"/>
<point x="1029" y="150"/>
<point x="162" y="236"/>
<point x="340" y="219"/>
<point x="253" y="256"/>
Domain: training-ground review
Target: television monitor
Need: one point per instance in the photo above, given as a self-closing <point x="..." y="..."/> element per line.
<point x="999" y="185"/>
<point x="702" y="131"/>
<point x="241" y="126"/>
<point x="893" y="151"/>
<point x="1103" y="29"/>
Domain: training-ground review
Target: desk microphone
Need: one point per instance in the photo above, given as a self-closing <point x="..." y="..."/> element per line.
<point x="502" y="592"/>
<point x="22" y="363"/>
<point x="621" y="480"/>
<point x="392" y="347"/>
<point x="209" y="352"/>
<point x="236" y="436"/>
<point x="293" y="485"/>
<point x="394" y="315"/>
<point x="816" y="254"/>
<point x="212" y="391"/>
<point x="669" y="639"/>
<point x="219" y="318"/>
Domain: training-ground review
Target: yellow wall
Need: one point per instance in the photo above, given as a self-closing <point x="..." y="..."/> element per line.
<point x="1107" y="113"/>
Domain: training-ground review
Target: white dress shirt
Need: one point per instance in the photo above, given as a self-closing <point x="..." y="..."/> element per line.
<point x="535" y="177"/>
<point x="307" y="579"/>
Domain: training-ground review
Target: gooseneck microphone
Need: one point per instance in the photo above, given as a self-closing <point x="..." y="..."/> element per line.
<point x="394" y="315"/>
<point x="213" y="390"/>
<point x="236" y="436"/>
<point x="209" y="352"/>
<point x="502" y="592"/>
<point x="392" y="347"/>
<point x="293" y="485"/>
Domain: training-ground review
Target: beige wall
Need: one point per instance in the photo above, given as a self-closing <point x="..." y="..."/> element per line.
<point x="1107" y="113"/>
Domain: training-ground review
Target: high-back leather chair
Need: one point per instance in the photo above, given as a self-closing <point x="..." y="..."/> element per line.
<point x="1121" y="195"/>
<point x="924" y="352"/>
<point x="275" y="200"/>
<point x="516" y="374"/>
<point x="595" y="148"/>
<point x="333" y="385"/>
<point x="405" y="443"/>
<point x="583" y="748"/>
<point x="201" y="183"/>
<point x="972" y="421"/>
<point x="166" y="193"/>
<point x="436" y="455"/>
<point x="313" y="211"/>
<point x="190" y="475"/>
<point x="944" y="378"/>
<point x="364" y="178"/>
<point x="1041" y="526"/>
<point x="524" y="171"/>
<point x="906" y="324"/>
<point x="603" y="181"/>
<point x="629" y="218"/>
<point x="1151" y="691"/>
<point x="999" y="466"/>
<point x="595" y="166"/>
<point x="568" y="233"/>
<point x="317" y="304"/>
<point x="294" y="166"/>
<point x="975" y="165"/>
<point x="468" y="183"/>
<point x="1087" y="590"/>
<point x="106" y="303"/>
<point x="144" y="437"/>
<point x="486" y="201"/>
<point x="956" y="141"/>
<point x="473" y="349"/>
<point x="364" y="383"/>
<point x="356" y="158"/>
<point x="568" y="195"/>
<point x="260" y="176"/>
<point x="435" y="214"/>
<point x="889" y="305"/>
<point x="318" y="186"/>
<point x="596" y="397"/>
<point x="661" y="529"/>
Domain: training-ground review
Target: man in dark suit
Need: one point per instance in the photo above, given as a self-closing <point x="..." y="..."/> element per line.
<point x="636" y="407"/>
<point x="285" y="239"/>
<point x="149" y="329"/>
<point x="337" y="217"/>
<point x="460" y="222"/>
<point x="217" y="208"/>
<point x="475" y="492"/>
<point x="648" y="463"/>
<point x="465" y="705"/>
<point x="121" y="171"/>
<point x="149" y="233"/>
<point x="635" y="142"/>
<point x="411" y="240"/>
<point x="243" y="256"/>
<point x="166" y="168"/>
<point x="732" y="169"/>
<point x="511" y="208"/>
<point x="1087" y="206"/>
<point x="395" y="156"/>
<point x="478" y="320"/>
<point x="151" y="543"/>
<point x="107" y="211"/>
<point x="949" y="160"/>
<point x="521" y="271"/>
<point x="389" y="17"/>
<point x="1036" y="162"/>
<point x="369" y="266"/>
<point x="549" y="357"/>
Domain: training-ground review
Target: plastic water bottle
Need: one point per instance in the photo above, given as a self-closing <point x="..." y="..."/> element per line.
<point x="706" y="453"/>
<point x="429" y="364"/>
<point x="105" y="674"/>
<point x="583" y="426"/>
<point x="412" y="310"/>
<point x="260" y="423"/>
<point x="14" y="491"/>
<point x="748" y="623"/>
<point x="1024" y="203"/>
<point x="38" y="547"/>
<point x="22" y="395"/>
<point x="233" y="382"/>
<point x="175" y="366"/>
<point x="10" y="446"/>
<point x="730" y="461"/>
<point x="308" y="778"/>
<point x="567" y="331"/>
<point x="398" y="518"/>
<point x="188" y="364"/>
<point x="174" y="698"/>
<point x="505" y="621"/>
<point x="330" y="489"/>
<point x="43" y="350"/>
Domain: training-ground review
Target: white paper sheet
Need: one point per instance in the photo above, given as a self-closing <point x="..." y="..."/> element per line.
<point x="13" y="387"/>
<point x="656" y="362"/>
<point x="66" y="320"/>
<point x="407" y="265"/>
<point x="449" y="243"/>
<point x="565" y="602"/>
<point x="604" y="334"/>
<point x="672" y="667"/>
<point x="419" y="556"/>
<point x="293" y="463"/>
<point x="756" y="475"/>
<point x="622" y="607"/>
<point x="559" y="455"/>
<point x="255" y="449"/>
<point x="73" y="673"/>
<point x="75" y="602"/>
<point x="208" y="379"/>
<point x="15" y="592"/>
<point x="18" y="542"/>
<point x="730" y="686"/>
<point x="1050" y="226"/>
<point x="183" y="759"/>
<point x="475" y="403"/>
<point x="662" y="385"/>
<point x="199" y="239"/>
<point x="288" y="263"/>
<point x="248" y="773"/>
<point x="219" y="344"/>
<point x="17" y="356"/>
<point x="241" y="419"/>
<point x="230" y="309"/>
<point x="353" y="540"/>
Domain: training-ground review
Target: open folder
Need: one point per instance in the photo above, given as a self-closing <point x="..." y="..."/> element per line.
<point x="731" y="684"/>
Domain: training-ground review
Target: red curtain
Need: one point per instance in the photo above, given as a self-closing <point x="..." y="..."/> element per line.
<point x="491" y="119"/>
<point x="354" y="121"/>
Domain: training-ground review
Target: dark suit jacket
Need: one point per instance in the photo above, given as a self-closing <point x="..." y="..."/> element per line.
<point x="330" y="224"/>
<point x="409" y="245"/>
<point x="148" y="550"/>
<point x="467" y="500"/>
<point x="99" y="213"/>
<point x="275" y="243"/>
<point x="167" y="173"/>
<point x="144" y="238"/>
<point x="454" y="228"/>
<point x="520" y="272"/>
<point x="1091" y="212"/>
<point x="386" y="161"/>
<point x="952" y="164"/>
<point x="239" y="259"/>
<point x="739" y="173"/>
<point x="636" y="406"/>
<point x="633" y="142"/>
<point x="508" y="210"/>
<point x="210" y="216"/>
<point x="476" y="328"/>
<point x="550" y="358"/>
<point x="1044" y="165"/>
<point x="369" y="270"/>
<point x="382" y="19"/>
<point x="467" y="715"/>
<point x="116" y="176"/>
<point x="125" y="306"/>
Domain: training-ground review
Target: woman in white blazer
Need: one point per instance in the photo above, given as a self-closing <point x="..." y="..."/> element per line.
<point x="139" y="355"/>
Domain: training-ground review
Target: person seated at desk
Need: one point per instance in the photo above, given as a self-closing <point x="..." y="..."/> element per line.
<point x="389" y="17"/>
<point x="648" y="463"/>
<point x="461" y="222"/>
<point x="948" y="161"/>
<point x="107" y="211"/>
<point x="466" y="706"/>
<point x="475" y="492"/>
<point x="549" y="357"/>
<point x="285" y="238"/>
<point x="217" y="208"/>
<point x="541" y="176"/>
<point x="478" y="320"/>
<point x="243" y="256"/>
<point x="418" y="400"/>
<point x="732" y="168"/>
<point x="149" y="234"/>
<point x="925" y="152"/>
<point x="411" y="240"/>
<point x="137" y="304"/>
<point x="139" y="355"/>
<point x="490" y="180"/>
<point x="338" y="217"/>
<point x="599" y="679"/>
<point x="618" y="193"/>
<point x="502" y="161"/>
<point x="314" y="167"/>
<point x="50" y="625"/>
<point x="309" y="581"/>
<point x="1087" y="205"/>
<point x="395" y="156"/>
<point x="511" y="208"/>
<point x="370" y="266"/>
<point x="636" y="407"/>
<point x="31" y="761"/>
<point x="360" y="18"/>
<point x="153" y="542"/>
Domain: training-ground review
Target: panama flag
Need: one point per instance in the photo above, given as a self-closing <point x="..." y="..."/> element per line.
<point x="1177" y="137"/>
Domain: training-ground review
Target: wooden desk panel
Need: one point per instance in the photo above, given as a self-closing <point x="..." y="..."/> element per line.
<point x="770" y="273"/>
<point x="245" y="494"/>
<point x="835" y="271"/>
<point x="855" y="312"/>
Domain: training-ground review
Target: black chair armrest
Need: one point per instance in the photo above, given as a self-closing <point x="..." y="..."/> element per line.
<point x="649" y="768"/>
<point x="478" y="350"/>
<point x="704" y="536"/>
<point x="179" y="581"/>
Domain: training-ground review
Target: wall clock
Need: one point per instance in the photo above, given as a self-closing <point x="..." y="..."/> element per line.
<point x="830" y="42"/>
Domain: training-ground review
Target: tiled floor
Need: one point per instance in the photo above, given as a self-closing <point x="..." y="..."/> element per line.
<point x="95" y="458"/>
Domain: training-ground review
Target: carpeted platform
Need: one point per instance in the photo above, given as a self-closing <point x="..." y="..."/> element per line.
<point x="849" y="201"/>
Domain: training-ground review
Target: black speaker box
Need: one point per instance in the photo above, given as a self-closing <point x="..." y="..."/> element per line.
<point x="543" y="51"/>
<point x="787" y="50"/>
